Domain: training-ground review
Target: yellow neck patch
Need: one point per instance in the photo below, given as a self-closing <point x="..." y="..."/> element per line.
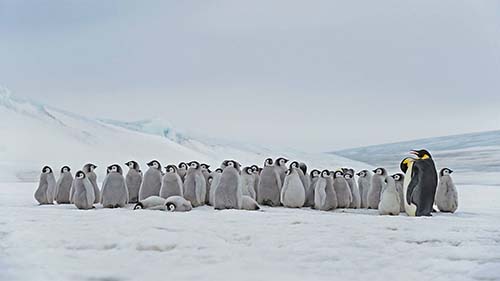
<point x="425" y="157"/>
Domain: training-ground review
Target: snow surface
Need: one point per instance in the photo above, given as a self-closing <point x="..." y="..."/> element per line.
<point x="59" y="242"/>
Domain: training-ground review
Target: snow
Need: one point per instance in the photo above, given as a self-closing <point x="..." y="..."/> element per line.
<point x="60" y="242"/>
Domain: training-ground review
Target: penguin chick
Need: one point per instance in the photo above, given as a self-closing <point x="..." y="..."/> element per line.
<point x="205" y="170"/>
<point x="114" y="189"/>
<point x="214" y="182"/>
<point x="256" y="175"/>
<point x="342" y="190"/>
<point x="376" y="187"/>
<point x="178" y="204"/>
<point x="325" y="198"/>
<point x="195" y="185"/>
<point x="63" y="185"/>
<point x="280" y="166"/>
<point x="353" y="186"/>
<point x="446" y="195"/>
<point x="228" y="193"/>
<point x="389" y="200"/>
<point x="313" y="178"/>
<point x="293" y="193"/>
<point x="269" y="189"/>
<point x="364" y="184"/>
<point x="152" y="203"/>
<point x="305" y="179"/>
<point x="89" y="169"/>
<point x="182" y="171"/>
<point x="399" y="180"/>
<point x="84" y="195"/>
<point x="133" y="180"/>
<point x="171" y="184"/>
<point x="249" y="204"/>
<point x="151" y="183"/>
<point x="45" y="192"/>
<point x="248" y="182"/>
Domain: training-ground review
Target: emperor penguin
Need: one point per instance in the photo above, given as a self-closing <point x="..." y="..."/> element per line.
<point x="84" y="195"/>
<point x="178" y="204"/>
<point x="249" y="204"/>
<point x="389" y="199"/>
<point x="353" y="186"/>
<point x="269" y="189"/>
<point x="214" y="182"/>
<point x="171" y="184"/>
<point x="313" y="178"/>
<point x="399" y="181"/>
<point x="182" y="171"/>
<point x="195" y="185"/>
<point x="376" y="187"/>
<point x="152" y="203"/>
<point x="248" y="182"/>
<point x="364" y="184"/>
<point x="446" y="194"/>
<point x="325" y="198"/>
<point x="45" y="193"/>
<point x="114" y="189"/>
<point x="134" y="181"/>
<point x="293" y="193"/>
<point x="88" y="169"/>
<point x="63" y="185"/>
<point x="304" y="177"/>
<point x="228" y="194"/>
<point x="422" y="183"/>
<point x="151" y="183"/>
<point x="205" y="170"/>
<point x="280" y="166"/>
<point x="342" y="190"/>
<point x="256" y="175"/>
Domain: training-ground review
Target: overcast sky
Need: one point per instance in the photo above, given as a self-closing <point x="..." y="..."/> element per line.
<point x="315" y="75"/>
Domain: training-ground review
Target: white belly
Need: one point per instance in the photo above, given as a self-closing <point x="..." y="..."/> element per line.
<point x="410" y="209"/>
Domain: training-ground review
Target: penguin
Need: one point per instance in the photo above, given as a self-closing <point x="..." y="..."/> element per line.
<point x="304" y="178"/>
<point x="342" y="190"/>
<point x="280" y="166"/>
<point x="376" y="186"/>
<point x="151" y="182"/>
<point x="293" y="193"/>
<point x="195" y="185"/>
<point x="152" y="203"/>
<point x="84" y="195"/>
<point x="446" y="194"/>
<point x="205" y="170"/>
<point x="422" y="183"/>
<point x="364" y="184"/>
<point x="171" y="184"/>
<point x="134" y="181"/>
<point x="182" y="171"/>
<point x="214" y="182"/>
<point x="178" y="204"/>
<point x="353" y="186"/>
<point x="88" y="169"/>
<point x="249" y="204"/>
<point x="313" y="178"/>
<point x="228" y="193"/>
<point x="248" y="182"/>
<point x="389" y="199"/>
<point x="325" y="198"/>
<point x="399" y="180"/>
<point x="269" y="189"/>
<point x="114" y="189"/>
<point x="45" y="192"/>
<point x="63" y="185"/>
<point x="256" y="175"/>
<point x="406" y="167"/>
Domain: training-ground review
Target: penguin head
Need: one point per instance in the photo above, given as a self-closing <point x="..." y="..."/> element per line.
<point x="132" y="165"/>
<point x="379" y="171"/>
<point x="445" y="172"/>
<point x="294" y="164"/>
<point x="65" y="169"/>
<point x="349" y="173"/>
<point x="194" y="164"/>
<point x="281" y="161"/>
<point x="115" y="168"/>
<point x="172" y="169"/>
<point x="405" y="162"/>
<point x="362" y="173"/>
<point x="138" y="206"/>
<point x="268" y="162"/>
<point x="46" y="170"/>
<point x="205" y="167"/>
<point x="219" y="170"/>
<point x="347" y="176"/>
<point x="303" y="167"/>
<point x="421" y="154"/>
<point x="89" y="167"/>
<point x="325" y="174"/>
<point x="234" y="164"/>
<point x="155" y="164"/>
<point x="338" y="174"/>
<point x="289" y="171"/>
<point x="183" y="165"/>
<point x="248" y="170"/>
<point x="315" y="173"/>
<point x="398" y="177"/>
<point x="344" y="170"/>
<point x="170" y="206"/>
<point x="80" y="175"/>
<point x="255" y="169"/>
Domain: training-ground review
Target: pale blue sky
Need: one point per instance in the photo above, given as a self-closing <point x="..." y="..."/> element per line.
<point x="316" y="75"/>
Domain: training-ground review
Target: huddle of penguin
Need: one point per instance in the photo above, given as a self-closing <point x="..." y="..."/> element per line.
<point x="188" y="185"/>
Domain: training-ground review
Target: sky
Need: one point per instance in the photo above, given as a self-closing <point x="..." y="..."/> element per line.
<point x="314" y="75"/>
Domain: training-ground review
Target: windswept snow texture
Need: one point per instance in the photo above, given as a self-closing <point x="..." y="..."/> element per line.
<point x="34" y="135"/>
<point x="475" y="157"/>
<point x="59" y="242"/>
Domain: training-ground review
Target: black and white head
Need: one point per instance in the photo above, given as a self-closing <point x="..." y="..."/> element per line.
<point x="171" y="169"/>
<point x="347" y="176"/>
<point x="194" y="164"/>
<point x="205" y="167"/>
<point x="379" y="171"/>
<point x="445" y="172"/>
<point x="281" y="162"/>
<point x="183" y="165"/>
<point x="315" y="173"/>
<point x="362" y="173"/>
<point x="138" y="206"/>
<point x="115" y="168"/>
<point x="65" y="169"/>
<point x="154" y="164"/>
<point x="294" y="165"/>
<point x="80" y="175"/>
<point x="219" y="170"/>
<point x="268" y="162"/>
<point x="248" y="170"/>
<point x="132" y="165"/>
<point x="338" y="174"/>
<point x="421" y="154"/>
<point x="234" y="164"/>
<point x="255" y="169"/>
<point x="170" y="206"/>
<point x="87" y="168"/>
<point x="398" y="177"/>
<point x="46" y="170"/>
<point x="325" y="174"/>
<point x="303" y="167"/>
<point x="289" y="171"/>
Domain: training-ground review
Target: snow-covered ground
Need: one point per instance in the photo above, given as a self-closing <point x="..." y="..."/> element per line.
<point x="63" y="243"/>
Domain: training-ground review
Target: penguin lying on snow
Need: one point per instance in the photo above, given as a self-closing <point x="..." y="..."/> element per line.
<point x="152" y="203"/>
<point x="178" y="204"/>
<point x="63" y="186"/>
<point x="45" y="192"/>
<point x="446" y="194"/>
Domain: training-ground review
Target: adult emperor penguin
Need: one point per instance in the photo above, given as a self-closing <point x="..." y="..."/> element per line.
<point x="280" y="166"/>
<point x="134" y="181"/>
<point x="45" y="192"/>
<point x="389" y="199"/>
<point x="325" y="198"/>
<point x="256" y="175"/>
<point x="195" y="185"/>
<point x="364" y="184"/>
<point x="182" y="171"/>
<point x="151" y="183"/>
<point x="399" y="181"/>
<point x="214" y="182"/>
<point x="114" y="189"/>
<point x="205" y="170"/>
<point x="63" y="185"/>
<point x="171" y="184"/>
<point x="293" y="194"/>
<point x="422" y="183"/>
<point x="342" y="190"/>
<point x="353" y="186"/>
<point x="89" y="169"/>
<point x="178" y="204"/>
<point x="270" y="185"/>
<point x="446" y="194"/>
<point x="84" y="195"/>
<point x="304" y="177"/>
<point x="313" y="178"/>
<point x="152" y="203"/>
<point x="228" y="194"/>
<point x="248" y="182"/>
<point x="376" y="187"/>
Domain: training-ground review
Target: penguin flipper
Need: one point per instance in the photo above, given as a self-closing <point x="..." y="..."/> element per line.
<point x="411" y="187"/>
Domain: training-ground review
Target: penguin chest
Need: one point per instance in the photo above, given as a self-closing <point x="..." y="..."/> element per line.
<point x="294" y="193"/>
<point x="410" y="209"/>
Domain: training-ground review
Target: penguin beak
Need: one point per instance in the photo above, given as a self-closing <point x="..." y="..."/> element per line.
<point x="414" y="152"/>
<point x="374" y="171"/>
<point x="451" y="171"/>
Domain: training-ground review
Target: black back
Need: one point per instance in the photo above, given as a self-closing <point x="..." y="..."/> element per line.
<point x="422" y="187"/>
